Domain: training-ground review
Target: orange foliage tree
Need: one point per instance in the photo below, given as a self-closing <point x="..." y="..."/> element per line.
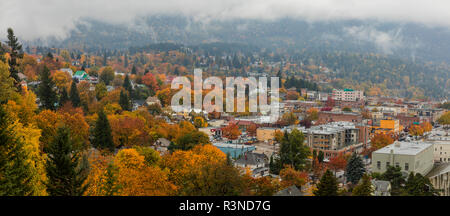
<point x="231" y="131"/>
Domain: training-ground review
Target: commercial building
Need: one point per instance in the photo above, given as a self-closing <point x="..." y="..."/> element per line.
<point x="265" y="133"/>
<point x="328" y="116"/>
<point x="386" y="126"/>
<point x="347" y="95"/>
<point x="334" y="138"/>
<point x="414" y="157"/>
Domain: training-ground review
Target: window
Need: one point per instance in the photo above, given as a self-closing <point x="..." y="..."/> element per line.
<point x="378" y="165"/>
<point x="397" y="164"/>
<point x="387" y="164"/>
<point x="406" y="166"/>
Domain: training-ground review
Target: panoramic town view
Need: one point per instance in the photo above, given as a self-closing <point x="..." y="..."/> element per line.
<point x="226" y="98"/>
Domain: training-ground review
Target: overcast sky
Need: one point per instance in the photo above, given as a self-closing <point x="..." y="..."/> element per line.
<point x="32" y="19"/>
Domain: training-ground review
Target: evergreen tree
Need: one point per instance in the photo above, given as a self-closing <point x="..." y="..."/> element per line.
<point x="395" y="177"/>
<point x="418" y="185"/>
<point x="124" y="101"/>
<point x="74" y="95"/>
<point x="63" y="98"/>
<point x="15" y="54"/>
<point x="327" y="186"/>
<point x="133" y="70"/>
<point x="111" y="187"/>
<point x="14" y="172"/>
<point x="364" y="188"/>
<point x="66" y="175"/>
<point x="127" y="84"/>
<point x="46" y="90"/>
<point x="355" y="169"/>
<point x="2" y="53"/>
<point x="102" y="133"/>
<point x="320" y="157"/>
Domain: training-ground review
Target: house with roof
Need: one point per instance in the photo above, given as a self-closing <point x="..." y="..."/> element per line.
<point x="81" y="75"/>
<point x="256" y="162"/>
<point x="289" y="191"/>
<point x="381" y="188"/>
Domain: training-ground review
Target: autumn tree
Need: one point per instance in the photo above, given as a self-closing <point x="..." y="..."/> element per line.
<point x="199" y="122"/>
<point x="138" y="179"/>
<point x="327" y="186"/>
<point x="312" y="114"/>
<point x="102" y="133"/>
<point x="14" y="171"/>
<point x="46" y="91"/>
<point x="426" y="126"/>
<point x="111" y="186"/>
<point x="416" y="130"/>
<point x="364" y="187"/>
<point x="231" y="131"/>
<point x="289" y="176"/>
<point x="445" y="119"/>
<point x="251" y="130"/>
<point x="100" y="90"/>
<point x="337" y="163"/>
<point x="355" y="169"/>
<point x="74" y="95"/>
<point x="66" y="172"/>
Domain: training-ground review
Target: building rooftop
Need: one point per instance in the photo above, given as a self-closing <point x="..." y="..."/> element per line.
<point x="404" y="148"/>
<point x="439" y="169"/>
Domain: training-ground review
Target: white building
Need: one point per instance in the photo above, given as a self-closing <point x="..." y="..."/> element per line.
<point x="347" y="95"/>
<point x="414" y="157"/>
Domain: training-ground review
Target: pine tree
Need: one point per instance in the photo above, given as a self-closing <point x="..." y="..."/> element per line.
<point x="127" y="84"/>
<point x="102" y="133"/>
<point x="293" y="151"/>
<point x="14" y="172"/>
<point x="66" y="175"/>
<point x="111" y="187"/>
<point x="15" y="53"/>
<point x="74" y="95"/>
<point x="46" y="91"/>
<point x="63" y="98"/>
<point x="394" y="175"/>
<point x="320" y="157"/>
<point x="124" y="101"/>
<point x="133" y="70"/>
<point x="327" y="186"/>
<point x="418" y="185"/>
<point x="364" y="188"/>
<point x="355" y="169"/>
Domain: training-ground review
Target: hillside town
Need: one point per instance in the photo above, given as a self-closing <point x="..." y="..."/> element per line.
<point x="109" y="121"/>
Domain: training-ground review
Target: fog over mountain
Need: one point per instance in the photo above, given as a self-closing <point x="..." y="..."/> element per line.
<point x="410" y="29"/>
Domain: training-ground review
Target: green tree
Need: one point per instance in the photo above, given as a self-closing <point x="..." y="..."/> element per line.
<point x="293" y="151"/>
<point x="320" y="157"/>
<point x="100" y="90"/>
<point x="355" y="169"/>
<point x="15" y="54"/>
<point x="111" y="186"/>
<point x="418" y="185"/>
<point x="327" y="186"/>
<point x="189" y="141"/>
<point x="151" y="156"/>
<point x="364" y="188"/>
<point x="46" y="90"/>
<point x="14" y="172"/>
<point x="75" y="95"/>
<point x="124" y="101"/>
<point x="107" y="75"/>
<point x="133" y="70"/>
<point x="66" y="173"/>
<point x="102" y="133"/>
<point x="64" y="97"/>
<point x="127" y="85"/>
<point x="395" y="177"/>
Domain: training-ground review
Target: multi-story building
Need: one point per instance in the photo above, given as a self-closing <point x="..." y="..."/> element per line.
<point x="347" y="95"/>
<point x="391" y="126"/>
<point x="328" y="116"/>
<point x="334" y="138"/>
<point x="440" y="178"/>
<point x="414" y="157"/>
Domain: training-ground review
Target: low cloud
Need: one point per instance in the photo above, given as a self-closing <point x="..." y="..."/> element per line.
<point x="43" y="18"/>
<point x="386" y="42"/>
